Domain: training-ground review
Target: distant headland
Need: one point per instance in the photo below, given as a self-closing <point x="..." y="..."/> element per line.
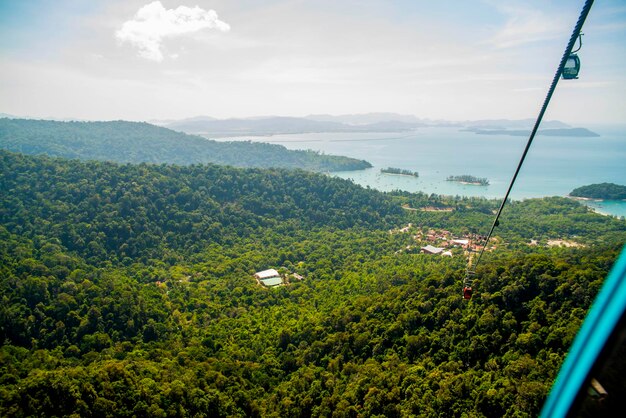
<point x="133" y="142"/>
<point x="604" y="191"/>
<point x="571" y="132"/>
<point x="366" y="122"/>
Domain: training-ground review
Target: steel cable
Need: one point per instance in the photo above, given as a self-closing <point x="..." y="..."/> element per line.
<point x="568" y="50"/>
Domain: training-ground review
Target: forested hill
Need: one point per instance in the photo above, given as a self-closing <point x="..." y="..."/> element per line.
<point x="132" y="142"/>
<point x="127" y="210"/>
<point x="609" y="191"/>
<point x="128" y="290"/>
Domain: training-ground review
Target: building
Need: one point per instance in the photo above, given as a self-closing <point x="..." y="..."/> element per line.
<point x="266" y="274"/>
<point x="429" y="249"/>
<point x="268" y="278"/>
<point x="462" y="242"/>
<point x="272" y="281"/>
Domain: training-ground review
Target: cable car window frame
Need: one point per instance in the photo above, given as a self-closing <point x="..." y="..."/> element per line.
<point x="571" y="67"/>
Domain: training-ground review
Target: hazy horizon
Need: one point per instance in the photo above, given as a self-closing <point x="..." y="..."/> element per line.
<point x="434" y="121"/>
<point x="145" y="60"/>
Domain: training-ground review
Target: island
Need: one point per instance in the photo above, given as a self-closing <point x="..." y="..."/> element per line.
<point x="467" y="179"/>
<point x="399" y="172"/>
<point x="604" y="191"/>
<point x="570" y="132"/>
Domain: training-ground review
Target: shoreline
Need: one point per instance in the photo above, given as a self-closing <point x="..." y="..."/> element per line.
<point x="588" y="202"/>
<point x="469" y="183"/>
<point x="595" y="199"/>
<point x="472" y="183"/>
<point x="587" y="199"/>
<point x="399" y="174"/>
<point x="599" y="212"/>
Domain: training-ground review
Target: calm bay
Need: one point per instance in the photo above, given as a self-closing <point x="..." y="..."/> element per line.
<point x="554" y="165"/>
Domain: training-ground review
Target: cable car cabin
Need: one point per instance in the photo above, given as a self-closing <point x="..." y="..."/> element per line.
<point x="467" y="292"/>
<point x="571" y="68"/>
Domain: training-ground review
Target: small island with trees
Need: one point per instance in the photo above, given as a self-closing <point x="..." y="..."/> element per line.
<point x="605" y="191"/>
<point x="399" y="171"/>
<point x="467" y="179"/>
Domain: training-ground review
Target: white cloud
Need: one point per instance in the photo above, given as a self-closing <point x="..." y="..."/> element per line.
<point x="153" y="23"/>
<point x="525" y="25"/>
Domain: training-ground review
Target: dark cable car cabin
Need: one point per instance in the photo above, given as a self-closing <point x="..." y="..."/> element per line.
<point x="571" y="68"/>
<point x="467" y="292"/>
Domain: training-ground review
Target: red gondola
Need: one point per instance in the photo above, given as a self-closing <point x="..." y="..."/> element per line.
<point x="467" y="292"/>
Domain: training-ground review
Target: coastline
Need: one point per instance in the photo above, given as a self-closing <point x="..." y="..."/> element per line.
<point x="599" y="212"/>
<point x="595" y="199"/>
<point x="473" y="183"/>
<point x="586" y="199"/>
<point x="399" y="174"/>
<point x="603" y="207"/>
<point x="470" y="183"/>
<point x="466" y="151"/>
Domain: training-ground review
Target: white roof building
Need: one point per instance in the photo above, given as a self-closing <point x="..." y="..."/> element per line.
<point x="460" y="241"/>
<point x="429" y="249"/>
<point x="266" y="274"/>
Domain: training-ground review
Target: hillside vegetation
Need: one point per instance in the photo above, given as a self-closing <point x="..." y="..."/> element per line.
<point x="127" y="290"/>
<point x="132" y="142"/>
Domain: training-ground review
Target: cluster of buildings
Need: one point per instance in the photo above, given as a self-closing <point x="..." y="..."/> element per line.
<point x="429" y="249"/>
<point x="441" y="241"/>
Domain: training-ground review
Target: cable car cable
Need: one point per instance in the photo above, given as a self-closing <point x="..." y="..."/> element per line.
<point x="580" y="43"/>
<point x="467" y="290"/>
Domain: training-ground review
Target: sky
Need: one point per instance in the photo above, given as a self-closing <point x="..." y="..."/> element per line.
<point x="172" y="59"/>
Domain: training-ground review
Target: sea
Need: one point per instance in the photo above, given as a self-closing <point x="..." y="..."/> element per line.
<point x="554" y="166"/>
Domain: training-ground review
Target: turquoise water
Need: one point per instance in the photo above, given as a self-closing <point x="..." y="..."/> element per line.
<point x="609" y="207"/>
<point x="554" y="166"/>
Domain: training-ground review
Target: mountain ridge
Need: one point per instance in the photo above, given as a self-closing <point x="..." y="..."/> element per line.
<point x="137" y="142"/>
<point x="325" y="123"/>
